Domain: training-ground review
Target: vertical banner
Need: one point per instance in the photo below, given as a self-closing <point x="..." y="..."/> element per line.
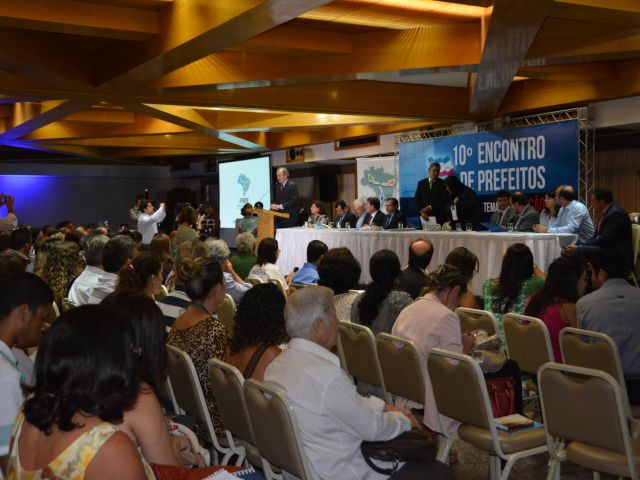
<point x="377" y="177"/>
<point x="532" y="160"/>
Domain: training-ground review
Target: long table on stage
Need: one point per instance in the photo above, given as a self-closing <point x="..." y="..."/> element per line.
<point x="489" y="247"/>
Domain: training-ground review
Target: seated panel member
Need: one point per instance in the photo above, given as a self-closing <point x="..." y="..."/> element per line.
<point x="359" y="212"/>
<point x="504" y="215"/>
<point x="573" y="217"/>
<point x="332" y="417"/>
<point x="344" y="216"/>
<point x="527" y="215"/>
<point x="374" y="218"/>
<point x="394" y="216"/>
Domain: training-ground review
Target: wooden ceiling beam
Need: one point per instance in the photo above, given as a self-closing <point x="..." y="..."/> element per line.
<point x="623" y="13"/>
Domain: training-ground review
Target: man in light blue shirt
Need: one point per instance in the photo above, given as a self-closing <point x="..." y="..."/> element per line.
<point x="573" y="217"/>
<point x="309" y="271"/>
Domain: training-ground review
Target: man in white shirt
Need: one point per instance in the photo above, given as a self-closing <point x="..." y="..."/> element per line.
<point x="333" y="418"/>
<point x="88" y="279"/>
<point x="117" y="253"/>
<point x="25" y="302"/>
<point x="148" y="221"/>
<point x="9" y="222"/>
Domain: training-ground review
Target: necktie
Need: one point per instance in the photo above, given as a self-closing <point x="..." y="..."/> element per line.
<point x="388" y="222"/>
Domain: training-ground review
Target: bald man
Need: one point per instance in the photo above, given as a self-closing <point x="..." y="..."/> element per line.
<point x="414" y="277"/>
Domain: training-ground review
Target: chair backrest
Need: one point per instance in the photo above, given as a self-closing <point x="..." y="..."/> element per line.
<point x="187" y="389"/>
<point x="585" y="405"/>
<point x="528" y="341"/>
<point x="635" y="242"/>
<point x="278" y="284"/>
<point x="253" y="280"/>
<point x="459" y="388"/>
<point x="472" y="319"/>
<point x="167" y="396"/>
<point x="396" y="355"/>
<point x="227" y="313"/>
<point x="357" y="349"/>
<point x="276" y="430"/>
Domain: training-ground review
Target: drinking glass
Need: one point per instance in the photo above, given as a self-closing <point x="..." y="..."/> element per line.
<point x="510" y="227"/>
<point x="469" y="227"/>
<point x="458" y="227"/>
<point x="347" y="225"/>
<point x="400" y="226"/>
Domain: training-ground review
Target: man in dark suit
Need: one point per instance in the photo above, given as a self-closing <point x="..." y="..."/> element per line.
<point x="613" y="229"/>
<point x="374" y="217"/>
<point x="343" y="216"/>
<point x="431" y="197"/>
<point x="414" y="277"/>
<point x="505" y="214"/>
<point x="394" y="216"/>
<point x="285" y="199"/>
<point x="527" y="215"/>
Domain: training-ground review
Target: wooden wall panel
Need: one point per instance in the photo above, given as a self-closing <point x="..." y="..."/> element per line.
<point x="619" y="170"/>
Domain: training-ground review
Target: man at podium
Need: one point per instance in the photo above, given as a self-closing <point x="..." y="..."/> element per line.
<point x="285" y="199"/>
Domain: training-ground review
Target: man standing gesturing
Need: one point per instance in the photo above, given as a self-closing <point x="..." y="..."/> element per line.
<point x="285" y="199"/>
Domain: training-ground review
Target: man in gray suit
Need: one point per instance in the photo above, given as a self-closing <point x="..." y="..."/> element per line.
<point x="527" y="215"/>
<point x="505" y="214"/>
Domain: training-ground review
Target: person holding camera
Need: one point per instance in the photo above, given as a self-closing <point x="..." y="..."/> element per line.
<point x="148" y="221"/>
<point x="9" y="222"/>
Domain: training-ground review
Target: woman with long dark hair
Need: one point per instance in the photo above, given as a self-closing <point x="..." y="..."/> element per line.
<point x="265" y="267"/>
<point x="555" y="304"/>
<point x="379" y="305"/>
<point x="519" y="279"/>
<point x="467" y="262"/>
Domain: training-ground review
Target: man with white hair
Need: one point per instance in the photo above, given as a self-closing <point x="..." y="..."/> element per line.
<point x="246" y="258"/>
<point x="333" y="418"/>
<point x="88" y="279"/>
<point x="285" y="199"/>
<point x="234" y="285"/>
<point x="359" y="211"/>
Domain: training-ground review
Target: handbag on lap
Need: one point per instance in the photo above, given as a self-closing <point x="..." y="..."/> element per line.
<point x="416" y="445"/>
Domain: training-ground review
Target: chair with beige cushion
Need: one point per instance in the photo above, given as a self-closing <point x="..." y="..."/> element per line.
<point x="528" y="341"/>
<point x="585" y="422"/>
<point x="402" y="367"/>
<point x="227" y="313"/>
<point x="253" y="281"/>
<point x="276" y="430"/>
<point x="588" y="349"/>
<point x="358" y="356"/>
<point x="473" y="319"/>
<point x="635" y="244"/>
<point x="461" y="394"/>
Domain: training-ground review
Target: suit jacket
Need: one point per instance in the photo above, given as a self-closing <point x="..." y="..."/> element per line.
<point x="347" y="217"/>
<point x="614" y="231"/>
<point x="392" y="220"/>
<point x="527" y="219"/>
<point x="509" y="217"/>
<point x="288" y="198"/>
<point x="436" y="196"/>
<point x="378" y="219"/>
<point x="412" y="280"/>
<point x="467" y="208"/>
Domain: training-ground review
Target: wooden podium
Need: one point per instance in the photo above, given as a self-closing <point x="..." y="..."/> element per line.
<point x="266" y="220"/>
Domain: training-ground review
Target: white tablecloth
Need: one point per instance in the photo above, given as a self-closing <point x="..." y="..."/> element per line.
<point x="489" y="247"/>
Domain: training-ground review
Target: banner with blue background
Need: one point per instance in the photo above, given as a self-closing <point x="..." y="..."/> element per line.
<point x="533" y="160"/>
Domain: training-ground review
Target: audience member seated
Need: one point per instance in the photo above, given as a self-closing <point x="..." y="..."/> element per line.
<point x="343" y="216"/>
<point x="246" y="258"/>
<point x="613" y="309"/>
<point x="549" y="215"/>
<point x="333" y="419"/>
<point x="20" y="245"/>
<point x="187" y="222"/>
<point x="188" y="250"/>
<point x="117" y="253"/>
<point x="634" y="217"/>
<point x="265" y="267"/>
<point x="414" y="277"/>
<point x="85" y="380"/>
<point x="10" y="265"/>
<point x="25" y="303"/>
<point x="248" y="222"/>
<point x="394" y="217"/>
<point x="258" y="331"/>
<point x="379" y="305"/>
<point x="431" y="322"/>
<point x="555" y="304"/>
<point x="613" y="229"/>
<point x="504" y="215"/>
<point x="340" y="271"/>
<point x="527" y="215"/>
<point x="176" y="301"/>
<point x="374" y="217"/>
<point x="519" y="279"/>
<point x="464" y="202"/>
<point x="573" y="216"/>
<point x="79" y="291"/>
<point x="143" y="275"/>
<point x="317" y="214"/>
<point x="309" y="271"/>
<point x="359" y="212"/>
<point x="161" y="248"/>
<point x="145" y="423"/>
<point x="467" y="262"/>
<point x="9" y="222"/>
<point x="198" y="332"/>
<point x="42" y="252"/>
<point x="234" y="285"/>
<point x="60" y="269"/>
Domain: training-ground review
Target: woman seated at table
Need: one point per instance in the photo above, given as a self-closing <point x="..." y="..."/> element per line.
<point x="248" y="222"/>
<point x="258" y="331"/>
<point x="265" y="267"/>
<point x="340" y="271"/>
<point x="549" y="215"/>
<point x="467" y="262"/>
<point x="519" y="279"/>
<point x="317" y="214"/>
<point x="379" y="305"/>
<point x="555" y="304"/>
<point x="86" y="380"/>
